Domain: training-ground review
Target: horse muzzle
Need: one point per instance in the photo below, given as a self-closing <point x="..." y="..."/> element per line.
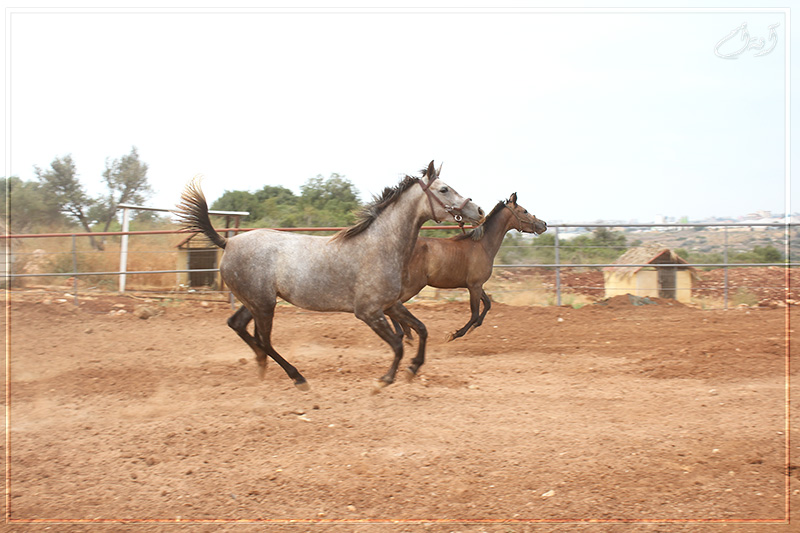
<point x="467" y="212"/>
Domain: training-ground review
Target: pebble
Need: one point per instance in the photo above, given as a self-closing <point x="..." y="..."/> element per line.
<point x="144" y="312"/>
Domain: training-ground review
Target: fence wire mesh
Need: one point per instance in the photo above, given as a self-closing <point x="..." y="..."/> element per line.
<point x="526" y="272"/>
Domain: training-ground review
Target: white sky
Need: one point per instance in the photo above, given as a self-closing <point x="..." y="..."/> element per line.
<point x="586" y="114"/>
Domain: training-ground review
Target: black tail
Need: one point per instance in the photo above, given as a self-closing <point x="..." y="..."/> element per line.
<point x="192" y="212"/>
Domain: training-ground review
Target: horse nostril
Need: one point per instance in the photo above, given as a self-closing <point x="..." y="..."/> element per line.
<point x="480" y="211"/>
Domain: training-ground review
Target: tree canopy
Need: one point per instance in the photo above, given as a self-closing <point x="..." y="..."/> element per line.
<point x="26" y="207"/>
<point x="126" y="181"/>
<point x="57" y="199"/>
<point x="322" y="202"/>
<point x="58" y="196"/>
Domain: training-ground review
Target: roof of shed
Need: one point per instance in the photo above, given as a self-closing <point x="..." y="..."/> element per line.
<point x="650" y="254"/>
<point x="196" y="241"/>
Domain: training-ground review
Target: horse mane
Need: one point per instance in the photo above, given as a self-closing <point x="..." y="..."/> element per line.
<point x="369" y="212"/>
<point x="477" y="233"/>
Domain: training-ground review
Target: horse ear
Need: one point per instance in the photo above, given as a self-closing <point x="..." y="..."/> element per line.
<point x="439" y="170"/>
<point x="431" y="172"/>
<point x="513" y="198"/>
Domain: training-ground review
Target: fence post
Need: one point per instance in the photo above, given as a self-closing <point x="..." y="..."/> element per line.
<point x="725" y="268"/>
<point x="123" y="250"/>
<point x="558" y="271"/>
<point x="75" y="269"/>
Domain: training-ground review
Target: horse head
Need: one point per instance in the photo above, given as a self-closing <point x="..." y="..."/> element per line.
<point x="528" y="223"/>
<point x="445" y="202"/>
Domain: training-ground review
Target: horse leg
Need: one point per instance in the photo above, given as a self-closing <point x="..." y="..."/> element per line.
<point x="487" y="304"/>
<point x="238" y="323"/>
<point x="474" y="307"/>
<point x="403" y="330"/>
<point x="394" y="338"/>
<point x="264" y="332"/>
<point x="402" y="315"/>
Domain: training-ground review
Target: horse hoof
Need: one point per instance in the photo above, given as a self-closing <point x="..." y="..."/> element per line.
<point x="262" y="371"/>
<point x="378" y="387"/>
<point x="409" y="374"/>
<point x="449" y="337"/>
<point x="302" y="385"/>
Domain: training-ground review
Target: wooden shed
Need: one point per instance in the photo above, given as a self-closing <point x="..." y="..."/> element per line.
<point x="198" y="252"/>
<point x="651" y="279"/>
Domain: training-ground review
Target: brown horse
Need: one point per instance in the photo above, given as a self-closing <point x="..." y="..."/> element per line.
<point x="358" y="270"/>
<point x="466" y="260"/>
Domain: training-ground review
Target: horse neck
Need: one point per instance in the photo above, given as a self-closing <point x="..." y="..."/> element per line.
<point x="397" y="228"/>
<point x="495" y="229"/>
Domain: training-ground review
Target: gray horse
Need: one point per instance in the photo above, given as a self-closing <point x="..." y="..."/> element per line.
<point x="358" y="270"/>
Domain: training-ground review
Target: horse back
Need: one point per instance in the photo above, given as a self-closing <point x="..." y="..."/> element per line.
<point x="310" y="271"/>
<point x="453" y="263"/>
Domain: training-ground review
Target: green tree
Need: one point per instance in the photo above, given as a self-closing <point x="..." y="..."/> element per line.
<point x="759" y="254"/>
<point x="543" y="249"/>
<point x="126" y="181"/>
<point x="270" y="206"/>
<point x="25" y="207"/>
<point x="602" y="245"/>
<point x="328" y="202"/>
<point x="280" y="195"/>
<point x="322" y="202"/>
<point x="238" y="201"/>
<point x="61" y="182"/>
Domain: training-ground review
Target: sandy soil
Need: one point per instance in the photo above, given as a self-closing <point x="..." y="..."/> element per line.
<point x="764" y="286"/>
<point x="612" y="417"/>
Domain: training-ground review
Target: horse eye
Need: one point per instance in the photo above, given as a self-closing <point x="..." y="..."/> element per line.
<point x="443" y="190"/>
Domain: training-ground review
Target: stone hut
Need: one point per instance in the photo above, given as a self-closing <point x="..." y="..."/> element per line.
<point x="650" y="279"/>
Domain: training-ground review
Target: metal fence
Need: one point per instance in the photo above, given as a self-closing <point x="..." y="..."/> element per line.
<point x="17" y="249"/>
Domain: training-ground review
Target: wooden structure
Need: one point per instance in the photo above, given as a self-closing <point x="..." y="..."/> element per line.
<point x="650" y="279"/>
<point x="197" y="252"/>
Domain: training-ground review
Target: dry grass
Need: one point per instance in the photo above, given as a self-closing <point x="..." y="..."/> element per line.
<point x="522" y="291"/>
<point x="56" y="255"/>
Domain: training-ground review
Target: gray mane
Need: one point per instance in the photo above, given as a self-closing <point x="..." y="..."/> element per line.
<point x="368" y="213"/>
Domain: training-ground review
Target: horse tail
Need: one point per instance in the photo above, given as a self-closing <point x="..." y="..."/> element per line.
<point x="192" y="212"/>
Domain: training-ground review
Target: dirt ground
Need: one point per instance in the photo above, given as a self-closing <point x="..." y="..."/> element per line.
<point x="611" y="417"/>
<point x="764" y="286"/>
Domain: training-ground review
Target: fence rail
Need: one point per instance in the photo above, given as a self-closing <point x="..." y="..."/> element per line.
<point x="11" y="241"/>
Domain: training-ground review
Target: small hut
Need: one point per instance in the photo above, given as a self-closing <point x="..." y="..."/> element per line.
<point x="198" y="252"/>
<point x="651" y="279"/>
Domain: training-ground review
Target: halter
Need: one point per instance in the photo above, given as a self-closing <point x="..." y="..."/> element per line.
<point x="520" y="220"/>
<point x="454" y="211"/>
<point x="515" y="216"/>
